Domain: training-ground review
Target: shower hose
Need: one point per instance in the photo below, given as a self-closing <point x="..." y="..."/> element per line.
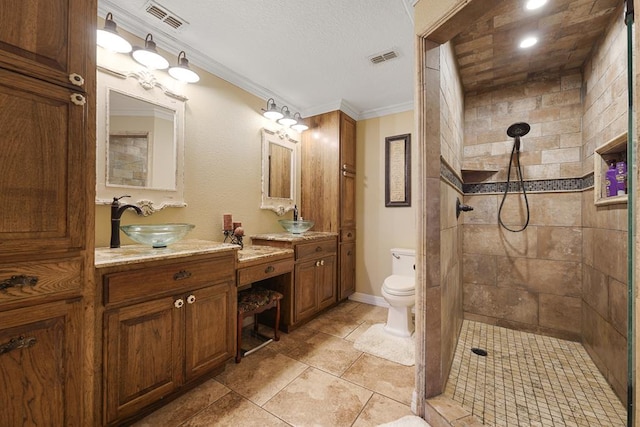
<point x="506" y="189"/>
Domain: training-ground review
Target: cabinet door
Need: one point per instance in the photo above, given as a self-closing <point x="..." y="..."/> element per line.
<point x="143" y="356"/>
<point x="326" y="279"/>
<point x="305" y="289"/>
<point x="209" y="328"/>
<point x="347" y="282"/>
<point x="47" y="39"/>
<point x="347" y="143"/>
<point x="347" y="200"/>
<point x="40" y="366"/>
<point x="42" y="165"/>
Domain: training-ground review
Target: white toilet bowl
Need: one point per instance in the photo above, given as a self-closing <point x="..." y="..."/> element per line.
<point x="399" y="292"/>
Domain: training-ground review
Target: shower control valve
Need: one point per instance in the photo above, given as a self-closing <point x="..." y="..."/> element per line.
<point x="462" y="208"/>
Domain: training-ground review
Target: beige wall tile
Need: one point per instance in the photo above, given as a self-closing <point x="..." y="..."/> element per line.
<point x="511" y="304"/>
<point x="595" y="290"/>
<point x="485" y="209"/>
<point x="618" y="298"/>
<point x="563" y="313"/>
<point x="479" y="269"/>
<point x="540" y="276"/>
<point x="560" y="243"/>
<point x="491" y="240"/>
<point x="610" y="253"/>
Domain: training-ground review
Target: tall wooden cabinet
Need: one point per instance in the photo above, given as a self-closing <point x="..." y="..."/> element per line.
<point x="47" y="181"/>
<point x="328" y="186"/>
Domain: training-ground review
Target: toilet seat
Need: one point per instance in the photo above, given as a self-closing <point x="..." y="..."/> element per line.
<point x="399" y="285"/>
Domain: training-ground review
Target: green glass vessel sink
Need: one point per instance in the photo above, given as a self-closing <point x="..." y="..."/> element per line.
<point x="157" y="235"/>
<point x="296" y="227"/>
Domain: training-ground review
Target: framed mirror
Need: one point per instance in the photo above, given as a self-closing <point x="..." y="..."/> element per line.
<point x="278" y="171"/>
<point x="140" y="142"/>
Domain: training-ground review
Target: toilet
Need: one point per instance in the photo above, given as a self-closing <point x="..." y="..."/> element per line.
<point x="399" y="291"/>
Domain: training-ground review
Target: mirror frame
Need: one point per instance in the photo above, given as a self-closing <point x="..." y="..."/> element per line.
<point x="278" y="205"/>
<point x="145" y="87"/>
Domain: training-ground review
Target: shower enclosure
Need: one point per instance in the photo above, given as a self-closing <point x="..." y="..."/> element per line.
<point x="568" y="275"/>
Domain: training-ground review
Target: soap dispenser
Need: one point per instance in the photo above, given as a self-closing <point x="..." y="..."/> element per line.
<point x="295" y="212"/>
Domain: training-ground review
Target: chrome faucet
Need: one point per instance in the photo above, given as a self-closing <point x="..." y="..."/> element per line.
<point x="116" y="212"/>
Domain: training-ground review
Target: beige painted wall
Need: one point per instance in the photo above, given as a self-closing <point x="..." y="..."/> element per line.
<point x="222" y="158"/>
<point x="223" y="174"/>
<point x="380" y="228"/>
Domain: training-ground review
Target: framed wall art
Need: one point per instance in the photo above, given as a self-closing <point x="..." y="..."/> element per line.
<point x="397" y="170"/>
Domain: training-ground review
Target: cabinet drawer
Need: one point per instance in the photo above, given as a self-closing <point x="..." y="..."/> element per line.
<point x="168" y="279"/>
<point x="315" y="249"/>
<point x="263" y="271"/>
<point x="347" y="235"/>
<point x="30" y="280"/>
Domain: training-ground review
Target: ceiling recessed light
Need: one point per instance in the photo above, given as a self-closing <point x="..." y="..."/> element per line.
<point x="535" y="4"/>
<point x="528" y="42"/>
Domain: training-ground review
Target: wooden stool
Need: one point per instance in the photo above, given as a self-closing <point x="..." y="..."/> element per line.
<point x="254" y="301"/>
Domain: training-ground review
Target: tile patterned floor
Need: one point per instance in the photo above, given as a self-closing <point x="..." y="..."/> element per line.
<point x="529" y="380"/>
<point x="311" y="377"/>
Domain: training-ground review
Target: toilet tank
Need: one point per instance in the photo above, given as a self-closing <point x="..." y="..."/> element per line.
<point x="403" y="261"/>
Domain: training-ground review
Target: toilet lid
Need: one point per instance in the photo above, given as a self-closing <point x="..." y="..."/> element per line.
<point x="399" y="285"/>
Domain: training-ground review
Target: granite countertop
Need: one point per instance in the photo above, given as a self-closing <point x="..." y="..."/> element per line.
<point x="131" y="254"/>
<point x="258" y="253"/>
<point x="289" y="237"/>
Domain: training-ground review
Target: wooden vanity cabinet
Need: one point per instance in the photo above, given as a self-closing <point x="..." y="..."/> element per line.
<point x="47" y="185"/>
<point x="315" y="286"/>
<point x="328" y="156"/>
<point x="165" y="326"/>
<point x="314" y="276"/>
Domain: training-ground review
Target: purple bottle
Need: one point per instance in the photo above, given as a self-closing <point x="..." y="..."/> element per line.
<point x="621" y="178"/>
<point x="610" y="180"/>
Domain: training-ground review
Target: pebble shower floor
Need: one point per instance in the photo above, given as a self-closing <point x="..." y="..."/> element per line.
<point x="529" y="380"/>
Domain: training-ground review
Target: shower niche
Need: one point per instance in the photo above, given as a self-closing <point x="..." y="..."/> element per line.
<point x="613" y="150"/>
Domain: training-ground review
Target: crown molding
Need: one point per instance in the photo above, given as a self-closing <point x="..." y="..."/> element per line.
<point x="169" y="43"/>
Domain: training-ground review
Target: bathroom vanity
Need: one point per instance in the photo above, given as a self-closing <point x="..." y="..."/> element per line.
<point x="164" y="318"/>
<point x="314" y="275"/>
<point x="271" y="268"/>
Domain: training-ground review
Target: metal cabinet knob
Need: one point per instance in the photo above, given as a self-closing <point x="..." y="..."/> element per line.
<point x="178" y="303"/>
<point x="322" y="262"/>
<point x="191" y="299"/>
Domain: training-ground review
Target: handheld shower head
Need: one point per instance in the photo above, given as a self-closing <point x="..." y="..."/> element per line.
<point x="517" y="130"/>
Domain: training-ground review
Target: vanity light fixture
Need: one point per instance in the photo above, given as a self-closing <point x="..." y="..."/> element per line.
<point x="108" y="38"/>
<point x="299" y="126"/>
<point x="182" y="72"/>
<point x="287" y="120"/>
<point x="149" y="56"/>
<point x="272" y="110"/>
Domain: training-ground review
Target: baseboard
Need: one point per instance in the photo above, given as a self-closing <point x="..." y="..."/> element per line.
<point x="369" y="299"/>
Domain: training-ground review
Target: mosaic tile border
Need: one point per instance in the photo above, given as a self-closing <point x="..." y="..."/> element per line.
<point x="541" y="185"/>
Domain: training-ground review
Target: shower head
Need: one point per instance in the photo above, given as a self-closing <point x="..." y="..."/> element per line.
<point x="517" y="130"/>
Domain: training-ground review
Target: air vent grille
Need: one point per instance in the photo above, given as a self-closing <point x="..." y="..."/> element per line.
<point x="164" y="15"/>
<point x="383" y="57"/>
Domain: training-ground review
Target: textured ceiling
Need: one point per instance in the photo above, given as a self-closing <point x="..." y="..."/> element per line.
<point x="487" y="49"/>
<point x="312" y="55"/>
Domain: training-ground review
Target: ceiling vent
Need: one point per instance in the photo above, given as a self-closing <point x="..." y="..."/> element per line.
<point x="383" y="57"/>
<point x="164" y="15"/>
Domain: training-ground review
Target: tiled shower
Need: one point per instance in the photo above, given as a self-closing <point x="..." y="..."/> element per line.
<point x="565" y="276"/>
